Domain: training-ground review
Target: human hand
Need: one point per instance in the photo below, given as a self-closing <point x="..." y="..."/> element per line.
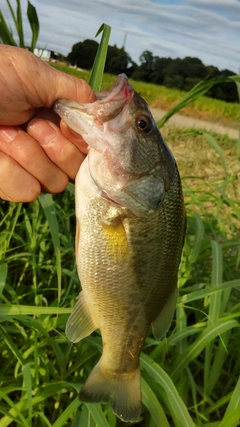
<point x="37" y="151"/>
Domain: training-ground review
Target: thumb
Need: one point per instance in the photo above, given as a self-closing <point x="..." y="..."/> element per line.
<point x="67" y="86"/>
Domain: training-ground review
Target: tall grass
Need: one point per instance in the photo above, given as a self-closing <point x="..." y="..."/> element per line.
<point x="190" y="378"/>
<point x="6" y="34"/>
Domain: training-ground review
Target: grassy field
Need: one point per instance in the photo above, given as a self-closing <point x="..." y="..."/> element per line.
<point x="189" y="379"/>
<point x="161" y="97"/>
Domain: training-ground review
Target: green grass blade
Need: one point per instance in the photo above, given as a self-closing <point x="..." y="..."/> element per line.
<point x="97" y="414"/>
<point x="43" y="417"/>
<point x="71" y="188"/>
<point x="13" y="347"/>
<point x="233" y="409"/>
<point x="5" y="34"/>
<point x="72" y="407"/>
<point x="22" y="405"/>
<point x="16" y="410"/>
<point x="191" y="353"/>
<point x="213" y="143"/>
<point x="27" y="310"/>
<point x="198" y="90"/>
<point x="34" y="24"/>
<point x="198" y="238"/>
<point x="233" y="418"/>
<point x="96" y="76"/>
<point x="3" y="276"/>
<point x="26" y="370"/>
<point x="12" y="224"/>
<point x="170" y="394"/>
<point x="14" y="18"/>
<point x="217" y="273"/>
<point x="181" y="323"/>
<point x="197" y="295"/>
<point x="19" y="24"/>
<point x="49" y="209"/>
<point x="214" y="312"/>
<point x="84" y="419"/>
<point x="152" y="404"/>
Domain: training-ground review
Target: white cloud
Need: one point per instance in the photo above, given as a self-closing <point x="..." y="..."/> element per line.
<point x="208" y="29"/>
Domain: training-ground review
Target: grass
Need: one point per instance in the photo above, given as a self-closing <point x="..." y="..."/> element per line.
<point x="161" y="97"/>
<point x="189" y="379"/>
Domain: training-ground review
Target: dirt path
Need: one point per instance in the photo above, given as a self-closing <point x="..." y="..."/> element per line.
<point x="183" y="121"/>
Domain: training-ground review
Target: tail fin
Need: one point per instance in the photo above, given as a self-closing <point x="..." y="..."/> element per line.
<point x="123" y="390"/>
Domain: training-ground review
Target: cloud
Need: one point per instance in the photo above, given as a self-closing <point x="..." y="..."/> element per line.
<point x="208" y="29"/>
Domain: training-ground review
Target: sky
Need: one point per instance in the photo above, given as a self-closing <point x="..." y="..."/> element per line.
<point x="206" y="29"/>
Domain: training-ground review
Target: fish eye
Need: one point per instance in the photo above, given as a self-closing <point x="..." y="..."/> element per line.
<point x="144" y="124"/>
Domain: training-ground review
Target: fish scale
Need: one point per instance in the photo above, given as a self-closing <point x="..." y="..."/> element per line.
<point x="130" y="233"/>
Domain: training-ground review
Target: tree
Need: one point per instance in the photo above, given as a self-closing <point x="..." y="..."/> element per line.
<point x="83" y="54"/>
<point x="226" y="91"/>
<point x="159" y="70"/>
<point x="117" y="60"/>
<point x="146" y="68"/>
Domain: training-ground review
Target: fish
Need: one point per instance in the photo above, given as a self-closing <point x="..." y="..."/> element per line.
<point x="130" y="228"/>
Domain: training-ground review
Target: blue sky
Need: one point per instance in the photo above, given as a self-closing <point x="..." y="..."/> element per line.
<point x="207" y="29"/>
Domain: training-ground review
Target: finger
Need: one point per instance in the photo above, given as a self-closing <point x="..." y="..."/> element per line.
<point x="30" y="156"/>
<point x="47" y="114"/>
<point x="16" y="184"/>
<point x="58" y="148"/>
<point x="67" y="86"/>
<point x="74" y="137"/>
<point x="34" y="84"/>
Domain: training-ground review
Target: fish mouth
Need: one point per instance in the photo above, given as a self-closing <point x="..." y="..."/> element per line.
<point x="108" y="106"/>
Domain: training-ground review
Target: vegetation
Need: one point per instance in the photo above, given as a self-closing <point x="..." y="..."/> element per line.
<point x="83" y="54"/>
<point x="182" y="74"/>
<point x="157" y="96"/>
<point x="6" y="35"/>
<point x="191" y="377"/>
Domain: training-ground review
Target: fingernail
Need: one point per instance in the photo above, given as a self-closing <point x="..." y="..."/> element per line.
<point x="42" y="131"/>
<point x="7" y="133"/>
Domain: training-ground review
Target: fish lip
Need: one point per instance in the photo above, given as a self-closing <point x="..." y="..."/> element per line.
<point x="121" y="93"/>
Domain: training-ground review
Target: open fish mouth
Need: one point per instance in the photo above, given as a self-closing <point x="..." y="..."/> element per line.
<point x="107" y="107"/>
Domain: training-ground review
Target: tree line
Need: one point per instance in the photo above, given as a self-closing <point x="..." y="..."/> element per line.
<point x="176" y="73"/>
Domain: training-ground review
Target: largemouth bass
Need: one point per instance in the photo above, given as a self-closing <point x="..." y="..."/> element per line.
<point x="130" y="232"/>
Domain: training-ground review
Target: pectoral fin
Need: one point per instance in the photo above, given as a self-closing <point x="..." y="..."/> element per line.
<point x="162" y="323"/>
<point x="80" y="323"/>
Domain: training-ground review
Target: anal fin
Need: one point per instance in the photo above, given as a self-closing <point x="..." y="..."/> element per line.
<point x="162" y="323"/>
<point x="80" y="323"/>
